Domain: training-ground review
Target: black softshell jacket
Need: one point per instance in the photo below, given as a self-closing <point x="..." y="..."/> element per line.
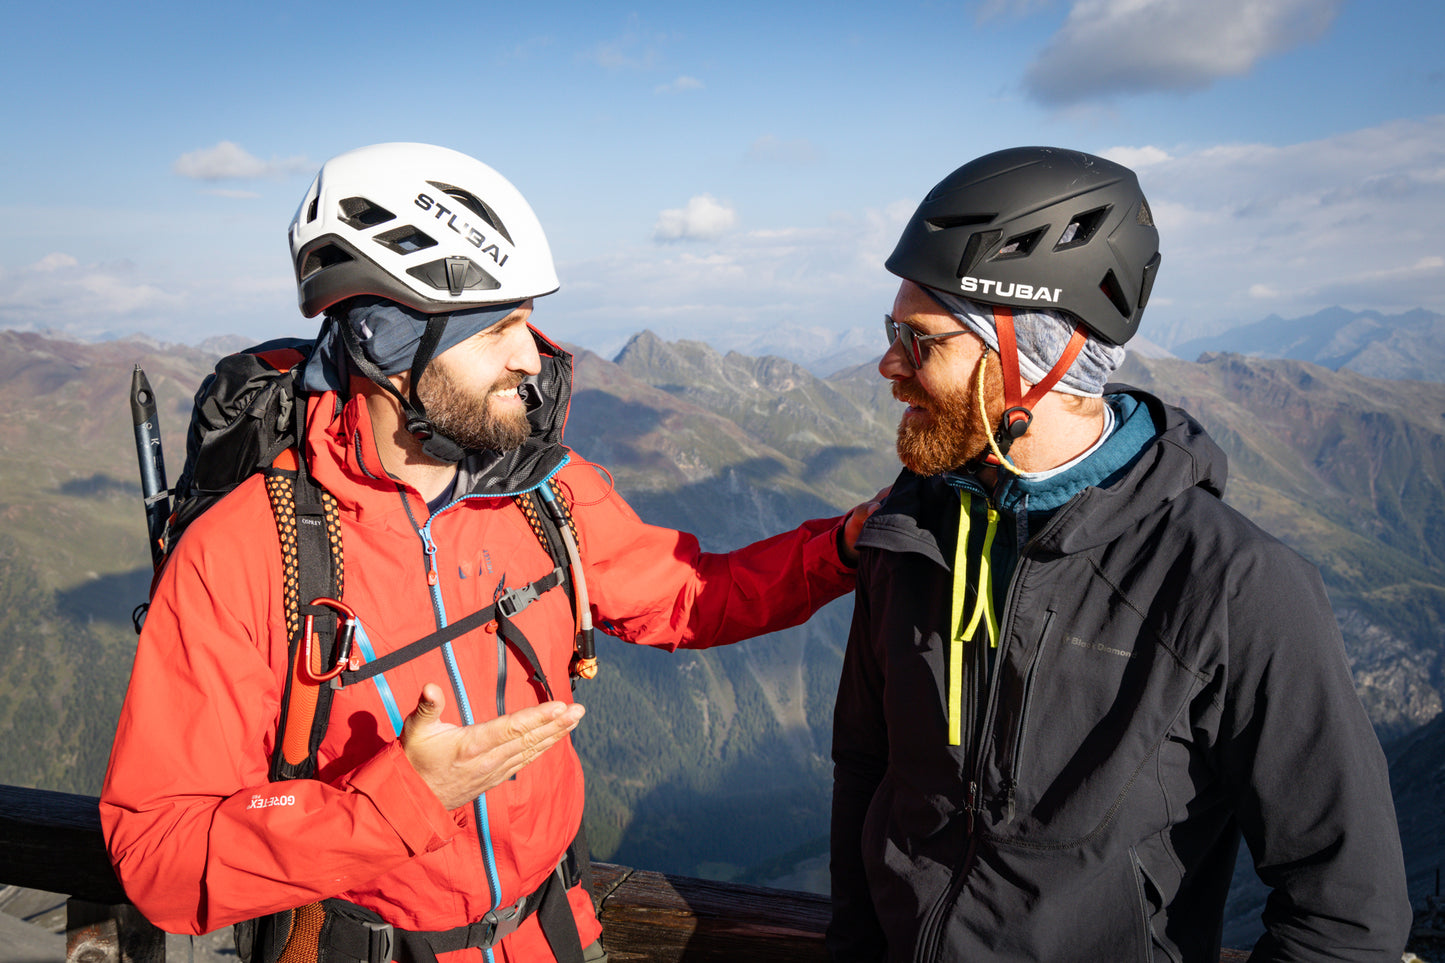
<point x="1168" y="677"/>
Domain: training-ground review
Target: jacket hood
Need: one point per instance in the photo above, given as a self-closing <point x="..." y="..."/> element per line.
<point x="1182" y="457"/>
<point x="343" y="455"/>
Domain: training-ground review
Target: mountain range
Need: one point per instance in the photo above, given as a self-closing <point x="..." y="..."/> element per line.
<point x="716" y="763"/>
<point x="1408" y="345"/>
<point x="1401" y="346"/>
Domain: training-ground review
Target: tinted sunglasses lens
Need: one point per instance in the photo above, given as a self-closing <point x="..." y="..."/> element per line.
<point x="894" y="331"/>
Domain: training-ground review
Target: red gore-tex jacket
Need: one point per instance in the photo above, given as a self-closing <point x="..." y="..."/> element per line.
<point x="201" y="839"/>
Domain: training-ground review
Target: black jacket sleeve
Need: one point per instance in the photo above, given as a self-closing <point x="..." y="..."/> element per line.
<point x="1309" y="779"/>
<point x="860" y="756"/>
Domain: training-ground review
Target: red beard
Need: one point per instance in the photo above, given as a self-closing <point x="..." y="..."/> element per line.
<point x="949" y="432"/>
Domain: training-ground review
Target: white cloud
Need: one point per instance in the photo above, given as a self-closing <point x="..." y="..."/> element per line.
<point x="1012" y="9"/>
<point x="1349" y="220"/>
<point x="634" y="50"/>
<point x="54" y="261"/>
<point x="768" y="149"/>
<point x="230" y="161"/>
<point x="527" y="49"/>
<point x="703" y="219"/>
<point x="61" y="292"/>
<point x="58" y="290"/>
<point x="745" y="284"/>
<point x="621" y="55"/>
<point x="679" y="85"/>
<point x="1111" y="47"/>
<point x="1136" y="158"/>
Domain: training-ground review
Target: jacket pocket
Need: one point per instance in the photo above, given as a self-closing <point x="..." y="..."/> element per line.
<point x="1082" y="718"/>
<point x="1150" y="902"/>
<point x="1025" y="703"/>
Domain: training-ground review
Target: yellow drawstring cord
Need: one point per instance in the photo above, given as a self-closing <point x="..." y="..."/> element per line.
<point x="982" y="610"/>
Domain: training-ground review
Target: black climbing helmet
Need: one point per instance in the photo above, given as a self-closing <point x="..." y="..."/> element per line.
<point x="1038" y="227"/>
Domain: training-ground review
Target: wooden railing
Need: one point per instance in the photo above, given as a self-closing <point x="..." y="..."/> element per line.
<point x="51" y="841"/>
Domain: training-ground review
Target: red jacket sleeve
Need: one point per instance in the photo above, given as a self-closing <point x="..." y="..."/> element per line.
<point x="199" y="837"/>
<point x="656" y="586"/>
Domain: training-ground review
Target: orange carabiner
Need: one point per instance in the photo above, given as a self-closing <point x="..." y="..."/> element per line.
<point x="345" y="636"/>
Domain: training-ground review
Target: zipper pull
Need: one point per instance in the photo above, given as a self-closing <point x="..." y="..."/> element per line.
<point x="970" y="806"/>
<point x="1008" y="802"/>
<point x="431" y="556"/>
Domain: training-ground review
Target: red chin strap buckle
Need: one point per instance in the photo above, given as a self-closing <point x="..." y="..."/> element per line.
<point x="1018" y="412"/>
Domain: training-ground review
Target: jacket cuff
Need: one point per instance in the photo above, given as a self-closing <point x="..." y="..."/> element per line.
<point x="404" y="800"/>
<point x="841" y="544"/>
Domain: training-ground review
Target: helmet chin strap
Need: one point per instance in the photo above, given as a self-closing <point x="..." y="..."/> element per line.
<point x="433" y="443"/>
<point x="1018" y="412"/>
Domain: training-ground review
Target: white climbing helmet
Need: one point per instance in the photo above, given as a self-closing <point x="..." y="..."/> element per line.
<point x="425" y="226"/>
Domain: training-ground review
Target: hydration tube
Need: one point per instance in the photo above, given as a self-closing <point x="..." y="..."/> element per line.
<point x="586" y="651"/>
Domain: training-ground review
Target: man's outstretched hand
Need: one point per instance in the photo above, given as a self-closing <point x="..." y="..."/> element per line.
<point x="460" y="763"/>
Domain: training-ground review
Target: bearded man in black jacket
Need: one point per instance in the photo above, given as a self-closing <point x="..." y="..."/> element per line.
<point x="1075" y="677"/>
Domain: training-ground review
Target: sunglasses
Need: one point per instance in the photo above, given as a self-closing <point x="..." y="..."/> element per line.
<point x="914" y="344"/>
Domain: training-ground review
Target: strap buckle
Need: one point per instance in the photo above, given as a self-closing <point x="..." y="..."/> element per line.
<point x="516" y="600"/>
<point x="380" y="941"/>
<point x="496" y="924"/>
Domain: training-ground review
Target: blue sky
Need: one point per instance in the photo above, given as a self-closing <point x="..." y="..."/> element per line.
<point x="720" y="171"/>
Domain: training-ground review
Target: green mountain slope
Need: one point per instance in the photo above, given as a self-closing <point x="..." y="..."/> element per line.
<point x="1348" y="471"/>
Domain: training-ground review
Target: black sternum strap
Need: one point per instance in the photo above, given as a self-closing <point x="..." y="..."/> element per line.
<point x="501" y="610"/>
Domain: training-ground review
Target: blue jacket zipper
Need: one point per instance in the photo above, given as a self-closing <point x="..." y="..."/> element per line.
<point x="464" y="706"/>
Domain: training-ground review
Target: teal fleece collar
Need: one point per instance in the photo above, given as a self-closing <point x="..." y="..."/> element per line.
<point x="1133" y="432"/>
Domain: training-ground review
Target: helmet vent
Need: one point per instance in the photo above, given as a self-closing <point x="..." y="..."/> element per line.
<point x="957" y="220"/>
<point x="322" y="258"/>
<point x="311" y="210"/>
<point x="405" y="240"/>
<point x="1145" y="217"/>
<point x="361" y="214"/>
<point x="474" y="204"/>
<point x="454" y="275"/>
<point x="1115" y="293"/>
<point x="981" y="241"/>
<point x="1081" y="229"/>
<point x="1020" y="246"/>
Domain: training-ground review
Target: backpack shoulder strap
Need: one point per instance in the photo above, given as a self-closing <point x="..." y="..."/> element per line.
<point x="549" y="513"/>
<point x="309" y="527"/>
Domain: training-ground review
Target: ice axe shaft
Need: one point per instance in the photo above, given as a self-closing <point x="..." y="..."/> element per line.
<point x="152" y="462"/>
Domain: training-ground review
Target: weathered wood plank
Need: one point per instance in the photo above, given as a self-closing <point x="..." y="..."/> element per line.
<point x="662" y="919"/>
<point x="606" y="877"/>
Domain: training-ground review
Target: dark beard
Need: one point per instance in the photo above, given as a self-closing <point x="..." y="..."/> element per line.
<point x="473" y="425"/>
<point x="952" y="433"/>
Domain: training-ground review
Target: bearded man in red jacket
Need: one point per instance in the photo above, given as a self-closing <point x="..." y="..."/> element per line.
<point x="447" y="792"/>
